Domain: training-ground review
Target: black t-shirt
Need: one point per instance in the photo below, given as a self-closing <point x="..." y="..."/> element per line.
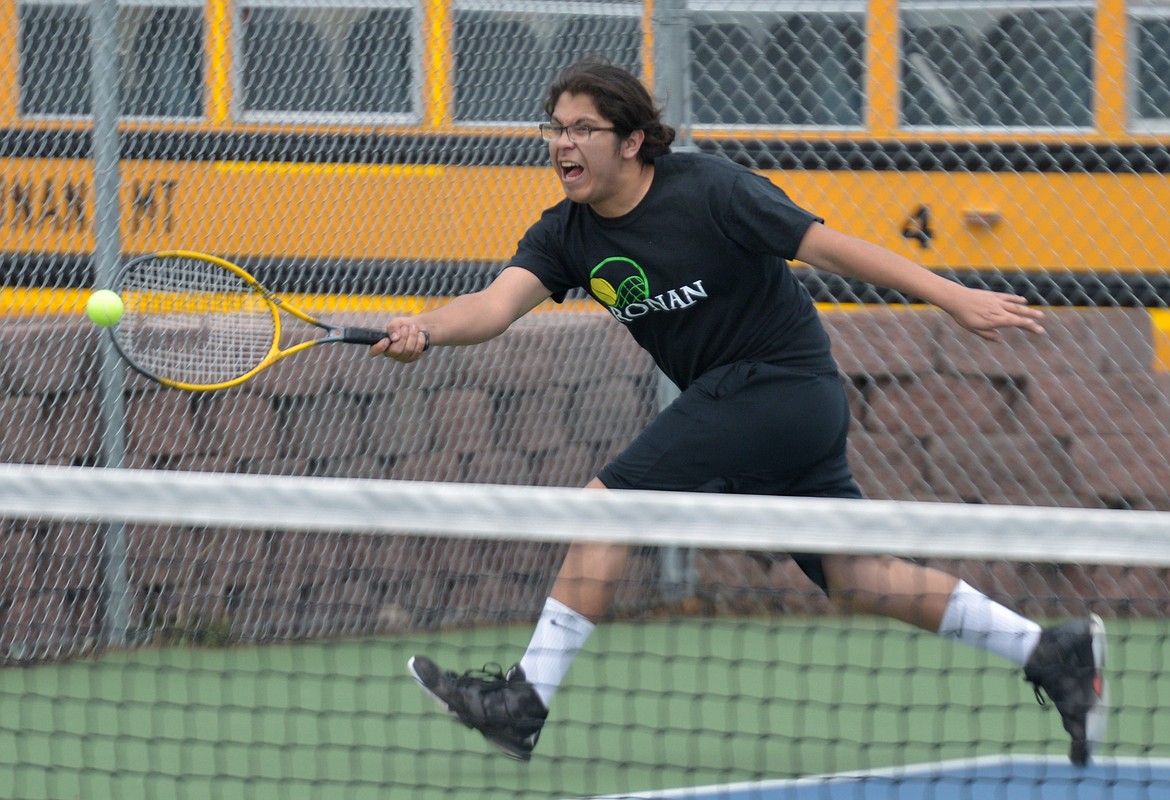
<point x="697" y="271"/>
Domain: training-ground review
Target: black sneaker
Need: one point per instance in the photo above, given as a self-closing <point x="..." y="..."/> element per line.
<point x="1068" y="665"/>
<point x="504" y="707"/>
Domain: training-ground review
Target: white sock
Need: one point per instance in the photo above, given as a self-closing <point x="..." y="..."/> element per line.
<point x="974" y="618"/>
<point x="560" y="634"/>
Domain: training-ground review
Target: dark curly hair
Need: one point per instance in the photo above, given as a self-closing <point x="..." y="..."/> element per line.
<point x="620" y="97"/>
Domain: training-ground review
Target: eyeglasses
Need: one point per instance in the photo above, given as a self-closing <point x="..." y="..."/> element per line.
<point x="577" y="133"/>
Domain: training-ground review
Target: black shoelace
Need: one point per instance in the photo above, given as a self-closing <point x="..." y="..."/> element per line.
<point x="492" y="674"/>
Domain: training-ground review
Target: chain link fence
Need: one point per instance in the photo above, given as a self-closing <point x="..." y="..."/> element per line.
<point x="365" y="155"/>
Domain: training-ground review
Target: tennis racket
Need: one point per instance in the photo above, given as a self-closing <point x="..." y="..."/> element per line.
<point x="198" y="323"/>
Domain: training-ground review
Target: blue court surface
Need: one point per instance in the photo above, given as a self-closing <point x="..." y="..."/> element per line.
<point x="995" y="777"/>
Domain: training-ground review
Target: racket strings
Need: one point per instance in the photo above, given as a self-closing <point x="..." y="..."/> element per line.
<point x="193" y="321"/>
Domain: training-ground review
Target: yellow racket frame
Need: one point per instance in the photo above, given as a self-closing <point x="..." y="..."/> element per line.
<point x="275" y="305"/>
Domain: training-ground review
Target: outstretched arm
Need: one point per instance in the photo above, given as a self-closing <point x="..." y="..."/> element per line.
<point x="983" y="312"/>
<point x="467" y="319"/>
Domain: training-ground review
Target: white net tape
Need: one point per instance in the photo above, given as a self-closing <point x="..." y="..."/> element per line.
<point x="563" y="515"/>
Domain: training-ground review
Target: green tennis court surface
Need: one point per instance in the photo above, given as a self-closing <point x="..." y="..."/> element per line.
<point x="650" y="706"/>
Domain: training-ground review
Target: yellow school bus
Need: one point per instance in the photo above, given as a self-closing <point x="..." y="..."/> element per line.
<point x="390" y="145"/>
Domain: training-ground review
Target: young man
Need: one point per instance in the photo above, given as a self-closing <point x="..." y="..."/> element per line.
<point x="690" y="253"/>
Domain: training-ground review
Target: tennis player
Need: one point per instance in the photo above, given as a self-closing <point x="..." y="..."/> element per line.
<point x="690" y="252"/>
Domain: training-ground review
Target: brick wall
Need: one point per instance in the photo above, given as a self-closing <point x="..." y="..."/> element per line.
<point x="1076" y="418"/>
<point x="1079" y="417"/>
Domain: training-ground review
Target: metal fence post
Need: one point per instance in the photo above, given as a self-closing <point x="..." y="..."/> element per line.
<point x="677" y="575"/>
<point x="107" y="250"/>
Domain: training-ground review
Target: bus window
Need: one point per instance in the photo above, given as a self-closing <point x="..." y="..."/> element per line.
<point x="277" y="48"/>
<point x="505" y="58"/>
<point x="1153" y="70"/>
<point x="166" y="74"/>
<point x="54" y="59"/>
<point x="616" y="38"/>
<point x="160" y="59"/>
<point x="729" y="76"/>
<point x="945" y="81"/>
<point x="499" y="74"/>
<point x="1042" y="61"/>
<point x="379" y="63"/>
<point x="986" y="64"/>
<point x="828" y="74"/>
<point x="367" y="58"/>
<point x="754" y="67"/>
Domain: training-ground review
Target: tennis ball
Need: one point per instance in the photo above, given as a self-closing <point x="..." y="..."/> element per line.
<point x="104" y="308"/>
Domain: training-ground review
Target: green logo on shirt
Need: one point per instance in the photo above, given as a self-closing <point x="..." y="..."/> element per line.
<point x="617" y="282"/>
<point x="621" y="286"/>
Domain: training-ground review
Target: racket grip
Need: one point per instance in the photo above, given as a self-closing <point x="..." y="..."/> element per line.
<point x="370" y="336"/>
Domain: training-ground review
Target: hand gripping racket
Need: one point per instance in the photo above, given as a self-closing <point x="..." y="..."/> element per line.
<point x="199" y="323"/>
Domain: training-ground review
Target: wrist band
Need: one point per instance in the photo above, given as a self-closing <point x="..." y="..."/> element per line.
<point x="426" y="341"/>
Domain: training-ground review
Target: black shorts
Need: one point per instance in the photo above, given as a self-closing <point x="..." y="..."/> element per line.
<point x="747" y="428"/>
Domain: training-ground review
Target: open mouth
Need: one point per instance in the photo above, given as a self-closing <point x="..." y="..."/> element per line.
<point x="571" y="170"/>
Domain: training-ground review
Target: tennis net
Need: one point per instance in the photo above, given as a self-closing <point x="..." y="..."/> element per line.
<point x="196" y="635"/>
